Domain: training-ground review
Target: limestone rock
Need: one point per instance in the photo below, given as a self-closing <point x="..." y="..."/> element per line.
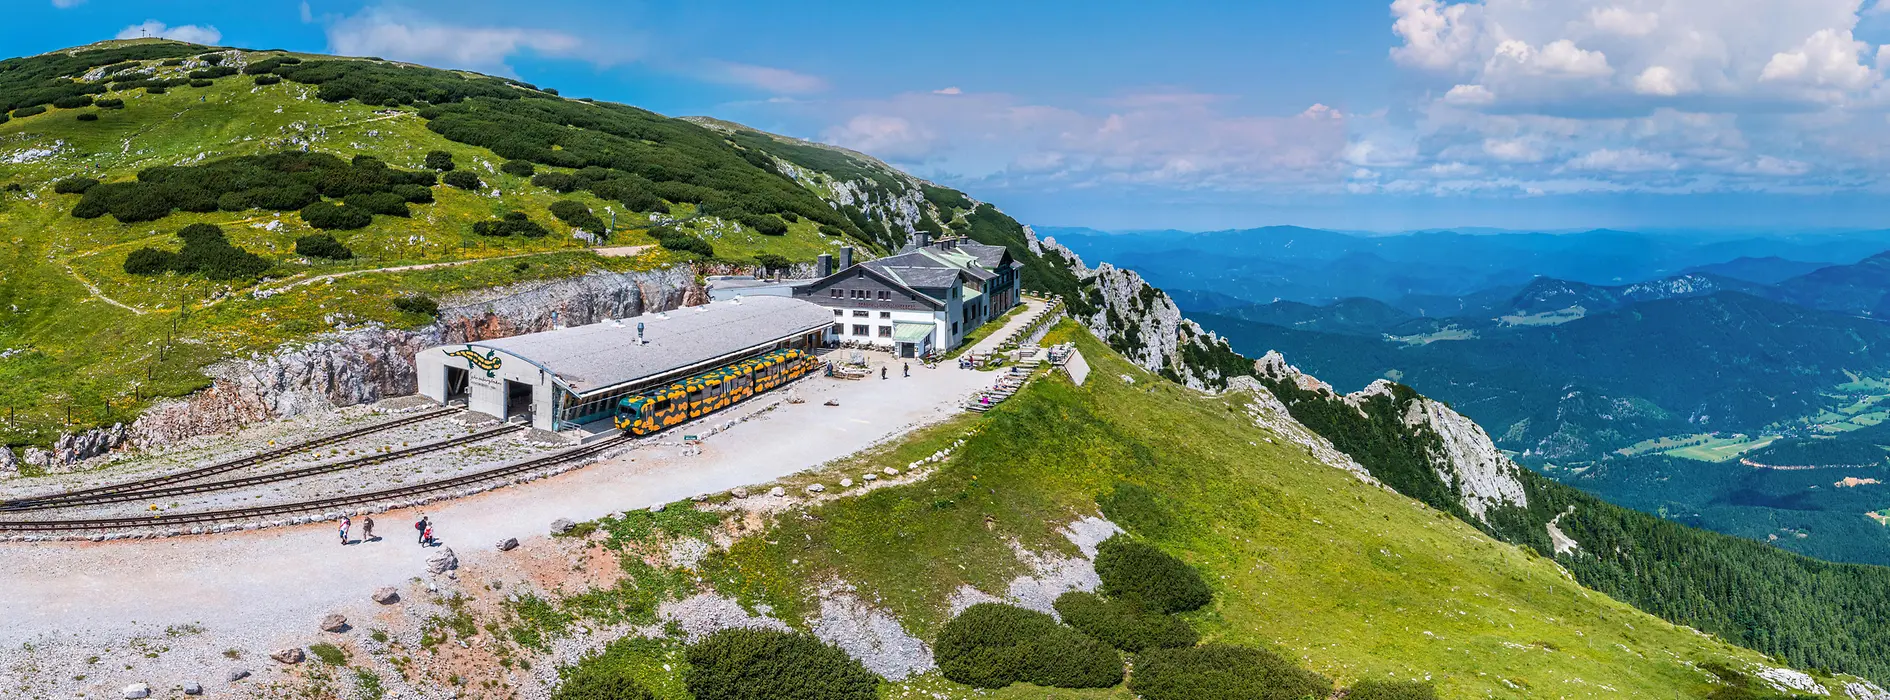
<point x="442" y="561"/>
<point x="815" y="488"/>
<point x="237" y="674"/>
<point x="137" y="691"/>
<point x="777" y="492"/>
<point x="291" y="655"/>
<point x="508" y="544"/>
<point x="738" y="492"/>
<point x="386" y="595"/>
<point x="562" y="525"/>
<point x="846" y="483"/>
<point x="193" y="688"/>
<point x="334" y="622"/>
<point x="9" y="463"/>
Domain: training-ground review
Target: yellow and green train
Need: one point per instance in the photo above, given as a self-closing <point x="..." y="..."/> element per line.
<point x="710" y="391"/>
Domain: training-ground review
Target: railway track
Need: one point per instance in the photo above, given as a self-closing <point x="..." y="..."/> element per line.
<point x="229" y="466"/>
<point x="102" y="498"/>
<point x="319" y="505"/>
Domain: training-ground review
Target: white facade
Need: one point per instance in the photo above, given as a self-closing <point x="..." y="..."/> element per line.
<point x="499" y="384"/>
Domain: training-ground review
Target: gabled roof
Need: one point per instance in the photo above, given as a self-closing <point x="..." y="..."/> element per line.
<point x="810" y="288"/>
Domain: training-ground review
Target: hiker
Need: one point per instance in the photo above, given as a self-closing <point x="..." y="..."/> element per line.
<point x="367" y="529"/>
<point x="344" y="529"/>
<point x="908" y="368"/>
<point x="426" y="536"/>
<point x="425" y="528"/>
<point x="882" y="371"/>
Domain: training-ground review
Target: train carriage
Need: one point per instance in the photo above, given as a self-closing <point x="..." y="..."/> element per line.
<point x="711" y="391"/>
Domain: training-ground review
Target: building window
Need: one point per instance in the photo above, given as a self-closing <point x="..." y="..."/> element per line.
<point x="837" y="293"/>
<point x="861" y="330"/>
<point x="885" y="331"/>
<point x="885" y="314"/>
<point x="954" y="328"/>
<point x="859" y="294"/>
<point x="838" y="312"/>
<point x="885" y="295"/>
<point x="839" y="329"/>
<point x="859" y="314"/>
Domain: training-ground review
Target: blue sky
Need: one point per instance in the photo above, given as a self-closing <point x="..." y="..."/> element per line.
<point x="1374" y="115"/>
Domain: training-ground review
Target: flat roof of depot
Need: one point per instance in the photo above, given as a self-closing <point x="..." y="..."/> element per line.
<point x="606" y="354"/>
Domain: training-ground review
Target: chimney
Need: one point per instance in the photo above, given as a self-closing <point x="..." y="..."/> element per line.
<point x="846" y="257"/>
<point x="824" y="268"/>
<point x="925" y="239"/>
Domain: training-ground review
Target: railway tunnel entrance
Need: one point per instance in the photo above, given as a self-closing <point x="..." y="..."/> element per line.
<point x="518" y="400"/>
<point x="458" y="384"/>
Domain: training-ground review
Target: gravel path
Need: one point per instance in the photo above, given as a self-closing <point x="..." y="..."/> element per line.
<point x="249" y="593"/>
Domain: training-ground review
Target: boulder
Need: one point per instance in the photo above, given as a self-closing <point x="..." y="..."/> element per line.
<point x="815" y="488"/>
<point x="291" y="655"/>
<point x="561" y="526"/>
<point x="237" y="674"/>
<point x="442" y="561"/>
<point x="658" y="508"/>
<point x="739" y="492"/>
<point x="9" y="464"/>
<point x="386" y="595"/>
<point x="334" y="622"/>
<point x="846" y="483"/>
<point x="193" y="688"/>
<point x="508" y="544"/>
<point x="777" y="492"/>
<point x="136" y="691"/>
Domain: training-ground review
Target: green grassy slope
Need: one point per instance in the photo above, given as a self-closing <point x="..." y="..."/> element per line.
<point x="1353" y="580"/>
<point x="91" y="345"/>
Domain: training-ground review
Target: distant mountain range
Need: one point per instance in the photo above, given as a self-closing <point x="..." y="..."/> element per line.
<point x="1440" y="272"/>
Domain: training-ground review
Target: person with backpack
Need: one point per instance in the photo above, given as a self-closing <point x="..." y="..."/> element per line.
<point x="344" y="529"/>
<point x="423" y="527"/>
<point x="367" y="528"/>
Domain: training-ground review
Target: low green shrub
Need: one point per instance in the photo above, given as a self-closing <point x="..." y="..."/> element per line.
<point x="765" y="225"/>
<point x="73" y="102"/>
<point x="992" y="646"/>
<point x="512" y="224"/>
<point x="602" y="686"/>
<point x="201" y="82"/>
<point x="521" y="168"/>
<point x="417" y="304"/>
<point x="673" y="239"/>
<point x="771" y="262"/>
<point x="556" y="181"/>
<point x="207" y="252"/>
<point x="109" y="103"/>
<point x="155" y="89"/>
<point x="150" y="261"/>
<point x="463" y="180"/>
<point x="74" y="185"/>
<point x="751" y="664"/>
<point x="414" y="194"/>
<point x="268" y="79"/>
<point x="336" y="217"/>
<point x="440" y="160"/>
<point x="322" y="245"/>
<point x="577" y="215"/>
<point x="89" y="117"/>
<point x="25" y="112"/>
<point x="1137" y="571"/>
<point x="1223" y="672"/>
<point x="1391" y="690"/>
<point x="1123" y="624"/>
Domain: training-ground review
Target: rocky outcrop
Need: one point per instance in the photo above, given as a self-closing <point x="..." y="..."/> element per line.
<point x="1268" y="412"/>
<point x="509" y="311"/>
<point x="1463" y="456"/>
<point x="9" y="463"/>
<point x="442" y="561"/>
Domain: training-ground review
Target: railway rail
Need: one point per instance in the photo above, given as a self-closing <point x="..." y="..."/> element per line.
<point x="319" y="505"/>
<point x="263" y="457"/>
<point x="230" y="484"/>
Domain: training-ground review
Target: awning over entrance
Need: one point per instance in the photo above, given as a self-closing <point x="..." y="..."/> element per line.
<point x="912" y="332"/>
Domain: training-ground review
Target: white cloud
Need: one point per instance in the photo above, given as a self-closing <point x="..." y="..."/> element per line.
<point x="948" y="91"/>
<point x="308" y="15"/>
<point x="1827" y="58"/>
<point x="1657" y="80"/>
<point x="64" y="4"/>
<point x="779" y="81"/>
<point x="1771" y="166"/>
<point x="190" y="32"/>
<point x="397" y="35"/>
<point x="1625" y="22"/>
<point x="1513" y="150"/>
<point x="1630" y="160"/>
<point x="1436" y="36"/>
<point x="1469" y="96"/>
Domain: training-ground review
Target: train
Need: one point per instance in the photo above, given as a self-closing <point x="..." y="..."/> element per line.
<point x="706" y="393"/>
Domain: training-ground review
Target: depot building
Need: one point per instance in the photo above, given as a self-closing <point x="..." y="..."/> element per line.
<point x="569" y="377"/>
